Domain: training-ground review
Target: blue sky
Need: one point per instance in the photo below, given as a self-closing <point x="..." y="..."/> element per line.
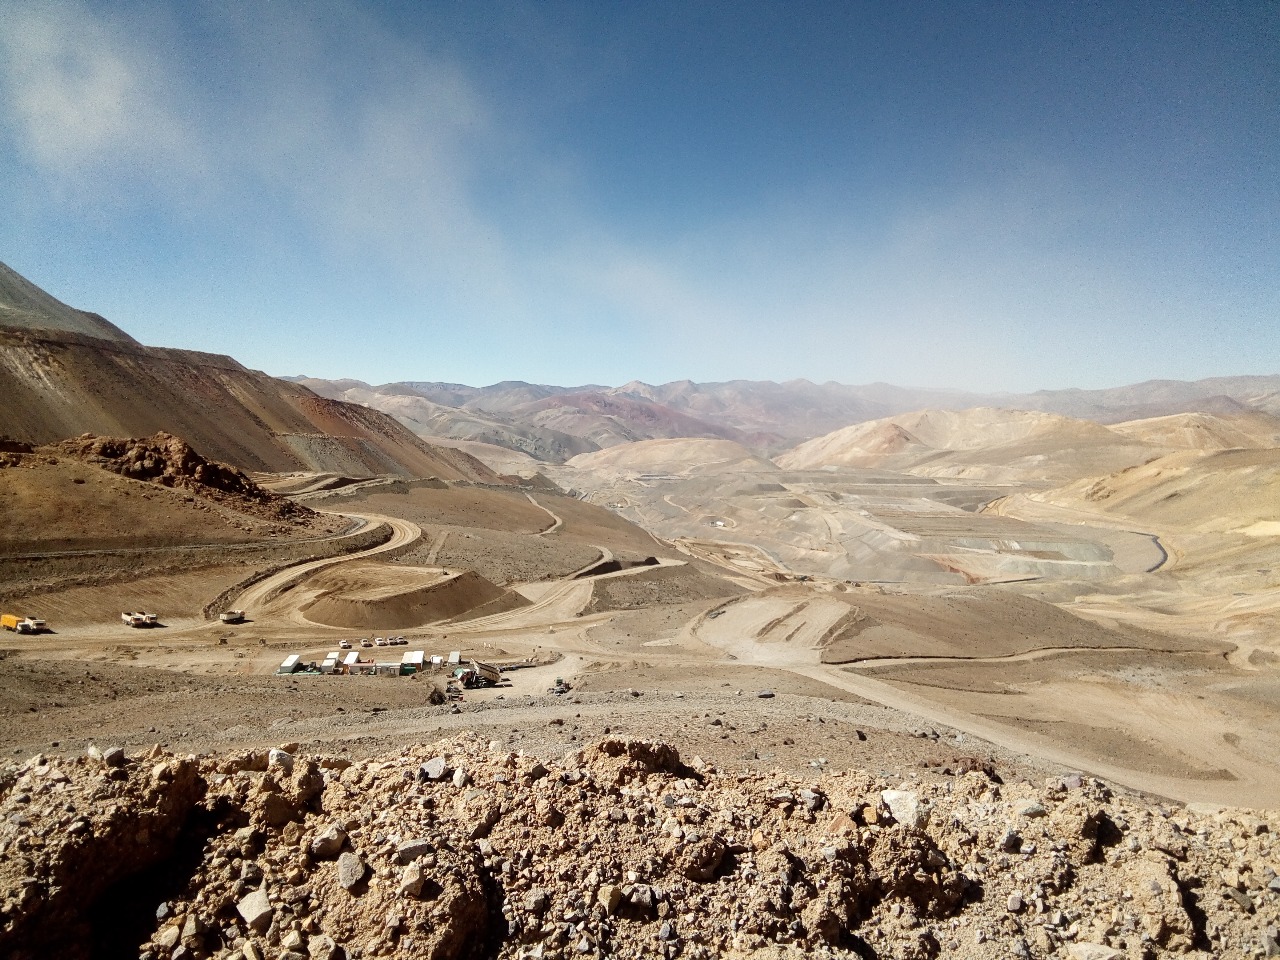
<point x="978" y="195"/>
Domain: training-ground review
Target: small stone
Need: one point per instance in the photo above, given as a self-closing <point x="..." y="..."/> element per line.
<point x="169" y="936"/>
<point x="609" y="896"/>
<point x="765" y="694"/>
<point x="280" y="760"/>
<point x="906" y="808"/>
<point x="460" y="778"/>
<point x="256" y="910"/>
<point x="322" y="947"/>
<point x="411" y="880"/>
<point x="412" y="850"/>
<point x="251" y="951"/>
<point x="328" y="843"/>
<point x="1014" y="902"/>
<point x="351" y="870"/>
<point x="191" y="928"/>
<point x="536" y="901"/>
<point x="1032" y="809"/>
<point x="433" y="770"/>
<point x="292" y="940"/>
<point x="666" y="931"/>
<point x="113" y="756"/>
<point x="1243" y="899"/>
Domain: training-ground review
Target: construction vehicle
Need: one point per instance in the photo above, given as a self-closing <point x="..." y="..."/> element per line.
<point x="478" y="674"/>
<point x="139" y="619"/>
<point x="19" y="624"/>
<point x="232" y="616"/>
<point x="559" y="688"/>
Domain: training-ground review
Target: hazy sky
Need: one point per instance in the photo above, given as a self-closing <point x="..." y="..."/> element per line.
<point x="978" y="195"/>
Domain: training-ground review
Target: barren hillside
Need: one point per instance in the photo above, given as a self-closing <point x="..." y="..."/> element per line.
<point x="1203" y="431"/>
<point x="682" y="455"/>
<point x="987" y="444"/>
<point x="61" y="382"/>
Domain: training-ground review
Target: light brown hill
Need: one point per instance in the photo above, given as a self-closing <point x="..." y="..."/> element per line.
<point x="673" y="456"/>
<point x="1203" y="431"/>
<point x="985" y="443"/>
<point x="1191" y="490"/>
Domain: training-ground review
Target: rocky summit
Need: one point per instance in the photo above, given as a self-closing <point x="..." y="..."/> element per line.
<point x="462" y="848"/>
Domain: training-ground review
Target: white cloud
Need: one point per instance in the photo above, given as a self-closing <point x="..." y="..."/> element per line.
<point x="79" y="95"/>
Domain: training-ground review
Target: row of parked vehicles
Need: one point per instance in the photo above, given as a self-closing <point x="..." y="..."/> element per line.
<point x="375" y="642"/>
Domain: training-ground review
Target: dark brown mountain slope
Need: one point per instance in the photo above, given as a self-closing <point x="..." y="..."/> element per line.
<point x="59" y="383"/>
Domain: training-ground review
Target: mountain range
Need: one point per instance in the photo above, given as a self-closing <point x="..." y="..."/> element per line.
<point x="554" y="423"/>
<point x="68" y="371"/>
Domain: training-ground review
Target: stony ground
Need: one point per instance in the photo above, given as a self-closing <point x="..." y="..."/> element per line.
<point x="623" y="848"/>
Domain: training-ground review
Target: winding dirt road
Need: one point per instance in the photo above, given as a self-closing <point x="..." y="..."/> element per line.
<point x="256" y="597"/>
<point x="758" y="637"/>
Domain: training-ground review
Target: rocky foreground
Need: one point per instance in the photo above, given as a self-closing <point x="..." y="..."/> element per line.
<point x="462" y="849"/>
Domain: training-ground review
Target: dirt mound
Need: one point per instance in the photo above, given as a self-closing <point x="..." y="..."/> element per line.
<point x="461" y="849"/>
<point x="386" y="597"/>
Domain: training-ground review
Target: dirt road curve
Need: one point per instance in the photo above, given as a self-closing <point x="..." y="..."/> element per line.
<point x="556" y="521"/>
<point x="402" y="533"/>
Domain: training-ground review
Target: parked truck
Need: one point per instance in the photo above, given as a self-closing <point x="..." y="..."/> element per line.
<point x="17" y="624"/>
<point x="478" y="674"/>
<point x="139" y="619"/>
<point x="232" y="616"/>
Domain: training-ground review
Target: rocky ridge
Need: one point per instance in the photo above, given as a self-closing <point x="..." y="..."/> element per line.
<point x="465" y="849"/>
<point x="170" y="462"/>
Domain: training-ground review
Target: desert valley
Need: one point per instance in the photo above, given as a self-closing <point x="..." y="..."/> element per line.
<point x="781" y="669"/>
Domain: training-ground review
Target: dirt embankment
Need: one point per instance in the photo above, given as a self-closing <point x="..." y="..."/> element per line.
<point x="381" y="596"/>
<point x="623" y="848"/>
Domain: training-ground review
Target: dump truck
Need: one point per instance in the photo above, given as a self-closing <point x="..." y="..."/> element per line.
<point x="232" y="616"/>
<point x="139" y="619"/>
<point x="478" y="674"/>
<point x="19" y="624"/>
